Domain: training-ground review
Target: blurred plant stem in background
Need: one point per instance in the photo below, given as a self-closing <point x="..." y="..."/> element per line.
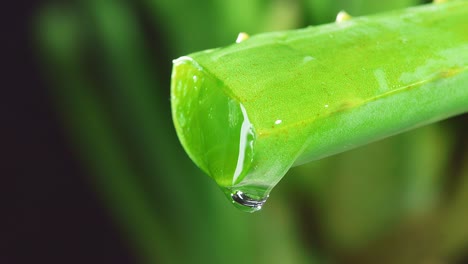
<point x="110" y="64"/>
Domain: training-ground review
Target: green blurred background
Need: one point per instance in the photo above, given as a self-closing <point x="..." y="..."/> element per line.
<point x="102" y="178"/>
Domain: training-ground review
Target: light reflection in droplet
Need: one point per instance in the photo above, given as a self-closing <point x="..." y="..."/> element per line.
<point x="250" y="204"/>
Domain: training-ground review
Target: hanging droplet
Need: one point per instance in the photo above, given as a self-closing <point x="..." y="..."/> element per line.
<point x="247" y="203"/>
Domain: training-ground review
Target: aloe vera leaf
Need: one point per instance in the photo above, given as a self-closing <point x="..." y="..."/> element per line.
<point x="248" y="112"/>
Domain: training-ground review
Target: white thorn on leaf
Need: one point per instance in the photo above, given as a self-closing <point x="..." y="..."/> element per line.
<point x="342" y="16"/>
<point x="241" y="37"/>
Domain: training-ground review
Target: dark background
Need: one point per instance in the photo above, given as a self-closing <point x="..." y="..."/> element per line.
<point x="51" y="214"/>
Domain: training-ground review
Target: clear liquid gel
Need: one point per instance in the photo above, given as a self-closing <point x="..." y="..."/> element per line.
<point x="217" y="133"/>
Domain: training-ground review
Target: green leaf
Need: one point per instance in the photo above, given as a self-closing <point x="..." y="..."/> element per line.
<point x="248" y="112"/>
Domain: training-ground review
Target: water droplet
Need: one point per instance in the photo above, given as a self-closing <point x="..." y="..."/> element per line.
<point x="326" y="106"/>
<point x="247" y="203"/>
<point x="307" y="59"/>
<point x="182" y="120"/>
<point x="382" y="80"/>
<point x="277" y="122"/>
